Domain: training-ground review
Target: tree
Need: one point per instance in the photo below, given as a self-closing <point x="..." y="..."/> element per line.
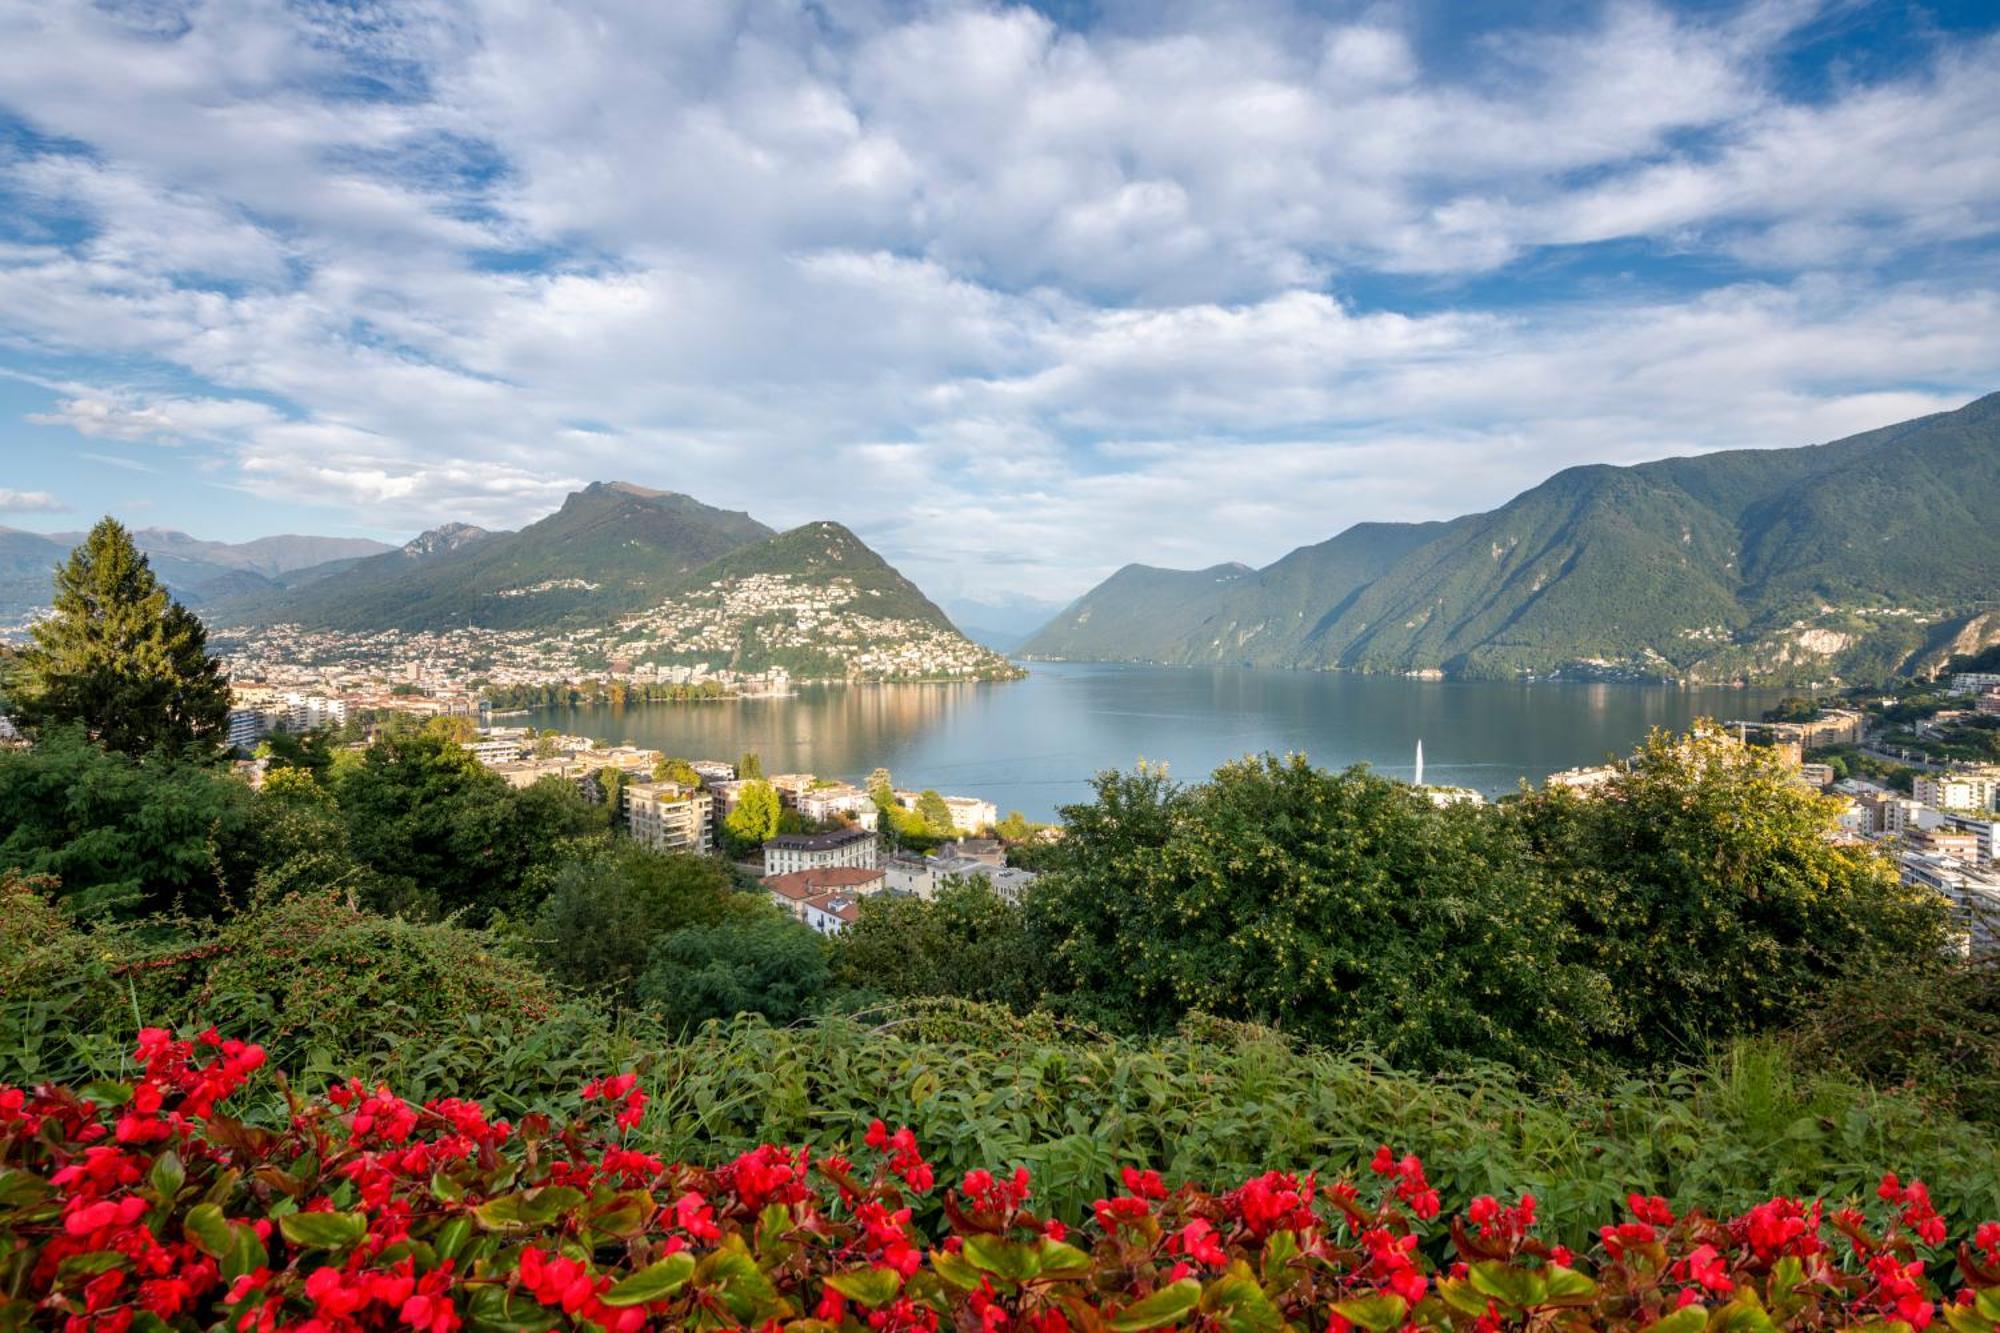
<point x="749" y="766"/>
<point x="605" y="912"/>
<point x="120" y="658"/>
<point x="967" y="942"/>
<point x="1705" y="883"/>
<point x="1340" y="906"/>
<point x="755" y="819"/>
<point x="880" y="786"/>
<point x="444" y="833"/>
<point x="676" y="770"/>
<point x="125" y="837"/>
<point x="769" y="965"/>
<point x="309" y="751"/>
<point x="936" y="813"/>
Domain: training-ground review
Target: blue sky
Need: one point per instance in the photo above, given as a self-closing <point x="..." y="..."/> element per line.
<point x="1019" y="293"/>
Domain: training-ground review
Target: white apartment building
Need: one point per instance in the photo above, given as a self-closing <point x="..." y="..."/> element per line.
<point x="713" y="770"/>
<point x="1973" y="682"/>
<point x="1956" y="791"/>
<point x="495" y="750"/>
<point x="789" y="852"/>
<point x="246" y="727"/>
<point x="1973" y="893"/>
<point x="303" y="712"/>
<point x="969" y="814"/>
<point x="669" y="817"/>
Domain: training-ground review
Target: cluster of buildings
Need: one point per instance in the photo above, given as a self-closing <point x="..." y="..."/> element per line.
<point x="785" y="615"/>
<point x="819" y="877"/>
<point x="822" y="878"/>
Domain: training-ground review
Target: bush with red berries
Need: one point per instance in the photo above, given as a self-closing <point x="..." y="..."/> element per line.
<point x="145" y="1205"/>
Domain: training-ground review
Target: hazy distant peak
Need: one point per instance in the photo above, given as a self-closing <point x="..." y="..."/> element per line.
<point x="445" y="537"/>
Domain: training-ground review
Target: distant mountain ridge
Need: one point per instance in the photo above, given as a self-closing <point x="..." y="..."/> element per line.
<point x="196" y="571"/>
<point x="1857" y="558"/>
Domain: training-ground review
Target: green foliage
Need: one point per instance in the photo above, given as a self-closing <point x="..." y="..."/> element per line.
<point x="676" y="770"/>
<point x="120" y="659"/>
<point x="966" y="941"/>
<point x="1793" y="708"/>
<point x="1929" y="1025"/>
<point x="762" y="963"/>
<point x="936" y="814"/>
<point x="604" y="913"/>
<point x="124" y="836"/>
<point x="310" y="751"/>
<point x="1703" y="884"/>
<point x="321" y="976"/>
<point x="442" y="833"/>
<point x="749" y="766"/>
<point x="1705" y="564"/>
<point x="1017" y="827"/>
<point x="1344" y="907"/>
<point x="755" y="818"/>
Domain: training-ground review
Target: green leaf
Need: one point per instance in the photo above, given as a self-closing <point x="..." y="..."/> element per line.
<point x="209" y="1230"/>
<point x="624" y="1215"/>
<point x="1460" y="1296"/>
<point x="870" y="1286"/>
<point x="444" y="1189"/>
<point x="1061" y="1259"/>
<point x="1687" y="1319"/>
<point x="742" y="1285"/>
<point x="654" y="1282"/>
<point x="1007" y="1258"/>
<point x="451" y="1237"/>
<point x="168" y="1176"/>
<point x="18" y="1189"/>
<point x="1566" y="1286"/>
<point x="1379" y="1311"/>
<point x="323" y="1231"/>
<point x="1502" y="1281"/>
<point x="1166" y="1306"/>
<point x="530" y="1208"/>
<point x="1240" y="1305"/>
<point x="953" y="1269"/>
<point x="246" y="1252"/>
<point x="91" y="1264"/>
<point x="1742" y="1315"/>
<point x="497" y="1310"/>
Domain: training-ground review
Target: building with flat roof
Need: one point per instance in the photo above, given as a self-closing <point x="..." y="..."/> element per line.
<point x="819" y="851"/>
<point x="669" y="817"/>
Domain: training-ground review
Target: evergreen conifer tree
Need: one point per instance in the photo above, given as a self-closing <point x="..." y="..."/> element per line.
<point x="120" y="658"/>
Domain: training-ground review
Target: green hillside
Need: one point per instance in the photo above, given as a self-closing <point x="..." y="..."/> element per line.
<point x="819" y="553"/>
<point x="1848" y="557"/>
<point x="611" y="548"/>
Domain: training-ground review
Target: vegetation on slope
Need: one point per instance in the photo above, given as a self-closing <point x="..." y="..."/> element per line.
<point x="1712" y="566"/>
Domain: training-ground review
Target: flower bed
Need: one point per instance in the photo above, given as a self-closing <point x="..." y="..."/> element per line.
<point x="142" y="1205"/>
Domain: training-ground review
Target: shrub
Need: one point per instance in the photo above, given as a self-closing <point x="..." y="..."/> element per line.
<point x="326" y="977"/>
<point x="605" y="912"/>
<point x="1341" y="906"/>
<point x="1704" y="882"/>
<point x="359" y="1210"/>
<point x="764" y="964"/>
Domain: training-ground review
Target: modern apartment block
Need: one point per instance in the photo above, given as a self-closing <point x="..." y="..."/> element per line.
<point x="669" y="817"/>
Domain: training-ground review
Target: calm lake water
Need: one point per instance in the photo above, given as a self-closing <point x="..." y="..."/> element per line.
<point x="1032" y="745"/>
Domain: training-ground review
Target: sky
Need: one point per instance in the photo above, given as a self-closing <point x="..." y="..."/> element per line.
<point x="1021" y="294"/>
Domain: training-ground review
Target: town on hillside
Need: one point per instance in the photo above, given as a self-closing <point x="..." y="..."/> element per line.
<point x="1915" y="771"/>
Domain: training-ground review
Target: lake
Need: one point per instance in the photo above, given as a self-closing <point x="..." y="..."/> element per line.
<point x="1032" y="745"/>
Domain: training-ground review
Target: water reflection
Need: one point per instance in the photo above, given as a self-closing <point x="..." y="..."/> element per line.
<point x="1032" y="745"/>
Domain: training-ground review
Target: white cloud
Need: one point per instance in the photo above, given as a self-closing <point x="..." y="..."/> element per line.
<point x="999" y="293"/>
<point x="29" y="502"/>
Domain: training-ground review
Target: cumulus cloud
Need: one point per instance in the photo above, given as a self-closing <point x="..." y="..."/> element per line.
<point x="1181" y="286"/>
<point x="29" y="502"/>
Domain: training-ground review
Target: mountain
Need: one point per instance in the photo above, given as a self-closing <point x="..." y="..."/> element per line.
<point x="814" y="600"/>
<point x="197" y="572"/>
<point x="1002" y="622"/>
<point x="612" y="548"/>
<point x="1856" y="558"/>
<point x="624" y="574"/>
